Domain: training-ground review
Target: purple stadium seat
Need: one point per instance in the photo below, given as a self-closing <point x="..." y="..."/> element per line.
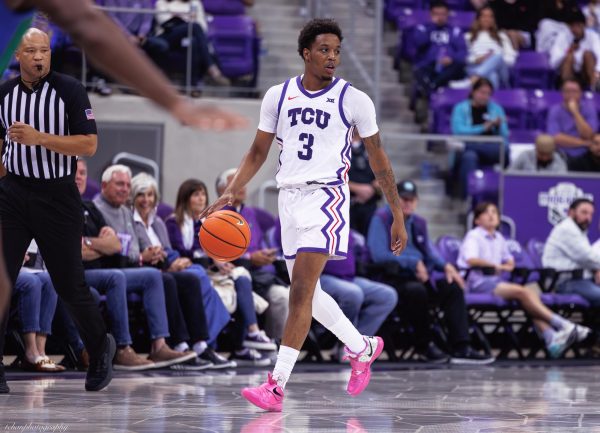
<point x="459" y="5"/>
<point x="92" y="189"/>
<point x="406" y="20"/>
<point x="483" y="185"/>
<point x="448" y="247"/>
<point x="462" y="19"/>
<point x="224" y="7"/>
<point x="532" y="71"/>
<point x="164" y="210"/>
<point x="539" y="103"/>
<point x="522" y="261"/>
<point x="516" y="105"/>
<point x="394" y="8"/>
<point x="441" y="104"/>
<point x="235" y="41"/>
<point x="535" y="249"/>
<point x="485" y="300"/>
<point x="523" y="135"/>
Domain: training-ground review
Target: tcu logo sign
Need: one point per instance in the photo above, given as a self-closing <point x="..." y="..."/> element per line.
<point x="558" y="199"/>
<point x="308" y="116"/>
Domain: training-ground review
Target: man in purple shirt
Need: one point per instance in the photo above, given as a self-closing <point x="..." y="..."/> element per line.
<point x="484" y="247"/>
<point x="573" y="122"/>
<point x="441" y="51"/>
<point x="259" y="260"/>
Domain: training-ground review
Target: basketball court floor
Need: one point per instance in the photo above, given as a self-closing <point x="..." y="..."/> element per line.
<point x="504" y="397"/>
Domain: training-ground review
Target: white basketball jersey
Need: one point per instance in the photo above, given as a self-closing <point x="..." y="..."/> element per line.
<point x="313" y="134"/>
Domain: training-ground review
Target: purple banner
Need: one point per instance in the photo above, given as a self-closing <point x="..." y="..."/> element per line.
<point x="537" y="203"/>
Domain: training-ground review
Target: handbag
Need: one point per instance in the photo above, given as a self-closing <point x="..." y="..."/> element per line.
<point x="225" y="287"/>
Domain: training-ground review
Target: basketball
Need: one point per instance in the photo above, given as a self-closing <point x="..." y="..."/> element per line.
<point x="224" y="235"/>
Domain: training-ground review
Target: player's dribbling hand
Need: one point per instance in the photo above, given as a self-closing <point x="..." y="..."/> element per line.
<point x="206" y="117"/>
<point x="225" y="200"/>
<point x="399" y="237"/>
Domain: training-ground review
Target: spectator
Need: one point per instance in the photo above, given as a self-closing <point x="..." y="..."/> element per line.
<point x="116" y="184"/>
<point x="100" y="240"/>
<point x="590" y="160"/>
<point x="35" y="302"/>
<point x="478" y="115"/>
<point x="183" y="237"/>
<point x="592" y="15"/>
<point x="572" y="122"/>
<point x="152" y="231"/>
<point x="441" y="51"/>
<point x="173" y="21"/>
<point x="490" y="52"/>
<point x="553" y="15"/>
<point x="183" y="226"/>
<point x="543" y="158"/>
<point x="575" y="54"/>
<point x="485" y="247"/>
<point x="259" y="261"/>
<point x="138" y="27"/>
<point x="568" y="248"/>
<point x="518" y="18"/>
<point x="364" y="189"/>
<point x="416" y="285"/>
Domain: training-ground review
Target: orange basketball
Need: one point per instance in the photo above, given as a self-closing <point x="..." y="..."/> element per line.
<point x="224" y="235"/>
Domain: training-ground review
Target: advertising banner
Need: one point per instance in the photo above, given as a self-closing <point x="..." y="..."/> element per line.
<point x="537" y="203"/>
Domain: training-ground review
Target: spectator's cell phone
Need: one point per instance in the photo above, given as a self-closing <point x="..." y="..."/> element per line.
<point x="30" y="263"/>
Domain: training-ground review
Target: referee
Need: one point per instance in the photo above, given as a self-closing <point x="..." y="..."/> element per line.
<point x="46" y="121"/>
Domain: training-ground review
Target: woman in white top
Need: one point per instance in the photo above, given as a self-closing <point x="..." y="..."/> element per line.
<point x="490" y="52"/>
<point x="173" y="22"/>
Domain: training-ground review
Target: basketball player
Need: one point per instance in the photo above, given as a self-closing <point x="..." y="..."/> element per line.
<point x="313" y="117"/>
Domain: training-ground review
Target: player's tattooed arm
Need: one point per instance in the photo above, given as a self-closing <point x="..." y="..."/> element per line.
<point x="380" y="164"/>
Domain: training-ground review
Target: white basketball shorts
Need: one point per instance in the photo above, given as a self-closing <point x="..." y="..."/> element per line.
<point x="315" y="220"/>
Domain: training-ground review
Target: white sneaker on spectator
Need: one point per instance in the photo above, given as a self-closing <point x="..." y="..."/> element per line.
<point x="460" y="84"/>
<point x="562" y="340"/>
<point x="582" y="332"/>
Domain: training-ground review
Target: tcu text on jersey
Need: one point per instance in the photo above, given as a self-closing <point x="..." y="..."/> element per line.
<point x="308" y="116"/>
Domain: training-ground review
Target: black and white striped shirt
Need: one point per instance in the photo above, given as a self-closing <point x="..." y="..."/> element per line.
<point x="58" y="105"/>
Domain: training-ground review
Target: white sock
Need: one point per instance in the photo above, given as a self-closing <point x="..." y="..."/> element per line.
<point x="200" y="347"/>
<point x="181" y="347"/>
<point x="346" y="332"/>
<point x="329" y="314"/>
<point x="253" y="333"/>
<point x="286" y="358"/>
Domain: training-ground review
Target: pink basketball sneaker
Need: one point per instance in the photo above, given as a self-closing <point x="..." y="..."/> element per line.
<point x="361" y="364"/>
<point x="268" y="396"/>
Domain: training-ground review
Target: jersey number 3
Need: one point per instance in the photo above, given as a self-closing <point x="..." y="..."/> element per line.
<point x="308" y="140"/>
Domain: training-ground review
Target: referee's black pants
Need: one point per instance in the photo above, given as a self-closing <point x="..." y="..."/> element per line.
<point x="49" y="211"/>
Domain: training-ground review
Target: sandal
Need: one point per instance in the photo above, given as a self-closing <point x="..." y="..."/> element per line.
<point x="42" y="364"/>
